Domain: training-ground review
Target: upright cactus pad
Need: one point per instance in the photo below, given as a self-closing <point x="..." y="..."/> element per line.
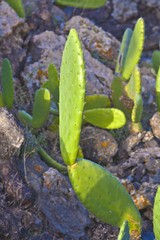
<point x="72" y="93"/>
<point x="41" y="107"/>
<point x="96" y="101"/>
<point x="25" y="118"/>
<point x="82" y="3"/>
<point x="124" y="232"/>
<point x="1" y="100"/>
<point x="158" y="90"/>
<point x="103" y="195"/>
<point x="156" y="215"/>
<point x="7" y="83"/>
<point x="156" y="60"/>
<point x="17" y="5"/>
<point x="109" y="118"/>
<point x="134" y="50"/>
<point x="134" y="84"/>
<point x="137" y="109"/>
<point x="123" y="50"/>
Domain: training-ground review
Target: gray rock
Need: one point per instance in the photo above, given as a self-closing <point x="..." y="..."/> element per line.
<point x="124" y="10"/>
<point x="130" y="142"/>
<point x="98" y="145"/>
<point x="11" y="135"/>
<point x="101" y="44"/>
<point x="155" y="123"/>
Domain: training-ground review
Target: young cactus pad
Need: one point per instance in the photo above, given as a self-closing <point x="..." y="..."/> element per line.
<point x="124" y="232"/>
<point x="41" y="107"/>
<point x="7" y="83"/>
<point x="134" y="50"/>
<point x="1" y="100"/>
<point x="17" y="5"/>
<point x="103" y="195"/>
<point x="96" y="101"/>
<point x="137" y="109"/>
<point x="156" y="215"/>
<point x="109" y="118"/>
<point x="156" y="60"/>
<point x="158" y="90"/>
<point x="72" y="93"/>
<point x="82" y="3"/>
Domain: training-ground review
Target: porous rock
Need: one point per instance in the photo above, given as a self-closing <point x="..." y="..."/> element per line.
<point x="155" y="123"/>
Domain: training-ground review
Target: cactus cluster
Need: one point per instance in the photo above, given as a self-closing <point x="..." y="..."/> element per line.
<point x="127" y="96"/>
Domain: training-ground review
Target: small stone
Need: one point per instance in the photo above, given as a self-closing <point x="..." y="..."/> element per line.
<point x="155" y="123"/>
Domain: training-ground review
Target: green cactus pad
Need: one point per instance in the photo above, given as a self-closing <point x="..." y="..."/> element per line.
<point x="156" y="60"/>
<point x="137" y="109"/>
<point x="158" y="90"/>
<point x="1" y="100"/>
<point x="25" y="118"/>
<point x="82" y="3"/>
<point x="72" y="93"/>
<point x="134" y="84"/>
<point x="124" y="232"/>
<point x="7" y="83"/>
<point x="54" y="127"/>
<point x="103" y="195"/>
<point x="109" y="118"/>
<point x="17" y="5"/>
<point x="123" y="50"/>
<point x="156" y="215"/>
<point x="80" y="153"/>
<point x="96" y="101"/>
<point x="134" y="50"/>
<point x="41" y="107"/>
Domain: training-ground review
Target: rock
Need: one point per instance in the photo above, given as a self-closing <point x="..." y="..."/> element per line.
<point x="47" y="47"/>
<point x="11" y="135"/>
<point x="98" y="145"/>
<point x="155" y="123"/>
<point x="12" y="31"/>
<point x="124" y="10"/>
<point x="130" y="142"/>
<point x="101" y="44"/>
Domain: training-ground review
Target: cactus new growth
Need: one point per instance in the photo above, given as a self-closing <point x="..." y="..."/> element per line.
<point x="82" y="3"/>
<point x="7" y="95"/>
<point x="124" y="231"/>
<point x="17" y="5"/>
<point x="156" y="60"/>
<point x="156" y="215"/>
<point x="158" y="90"/>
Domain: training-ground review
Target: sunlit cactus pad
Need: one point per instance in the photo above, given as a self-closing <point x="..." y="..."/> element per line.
<point x="17" y="5"/>
<point x="109" y="118"/>
<point x="82" y="3"/>
<point x="124" y="232"/>
<point x="103" y="195"/>
<point x="96" y="101"/>
<point x="72" y="93"/>
<point x="41" y="107"/>
<point x="156" y="215"/>
<point x="158" y="89"/>
<point x="137" y="109"/>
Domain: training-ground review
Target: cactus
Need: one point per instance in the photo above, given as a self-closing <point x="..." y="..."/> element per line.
<point x="103" y="195"/>
<point x="25" y="118"/>
<point x="134" y="50"/>
<point x="156" y="215"/>
<point x="108" y="118"/>
<point x="82" y="3"/>
<point x="96" y="101"/>
<point x="1" y="100"/>
<point x="72" y="93"/>
<point x="41" y="107"/>
<point x="17" y="5"/>
<point x="124" y="232"/>
<point x="156" y="60"/>
<point x="158" y="90"/>
<point x="7" y="83"/>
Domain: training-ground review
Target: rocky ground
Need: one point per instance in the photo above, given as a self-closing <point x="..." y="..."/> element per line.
<point x="37" y="202"/>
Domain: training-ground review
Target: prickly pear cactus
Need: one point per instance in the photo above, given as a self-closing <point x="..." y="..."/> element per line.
<point x="134" y="50"/>
<point x="134" y="84"/>
<point x="103" y="195"/>
<point x="124" y="232"/>
<point x="109" y="118"/>
<point x="158" y="90"/>
<point x="96" y="101"/>
<point x="156" y="60"/>
<point x="82" y="3"/>
<point x="123" y="50"/>
<point x="25" y="118"/>
<point x="156" y="215"/>
<point x="41" y="107"/>
<point x="7" y="83"/>
<point x="72" y="93"/>
<point x="17" y="5"/>
<point x="1" y="100"/>
<point x="137" y="109"/>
